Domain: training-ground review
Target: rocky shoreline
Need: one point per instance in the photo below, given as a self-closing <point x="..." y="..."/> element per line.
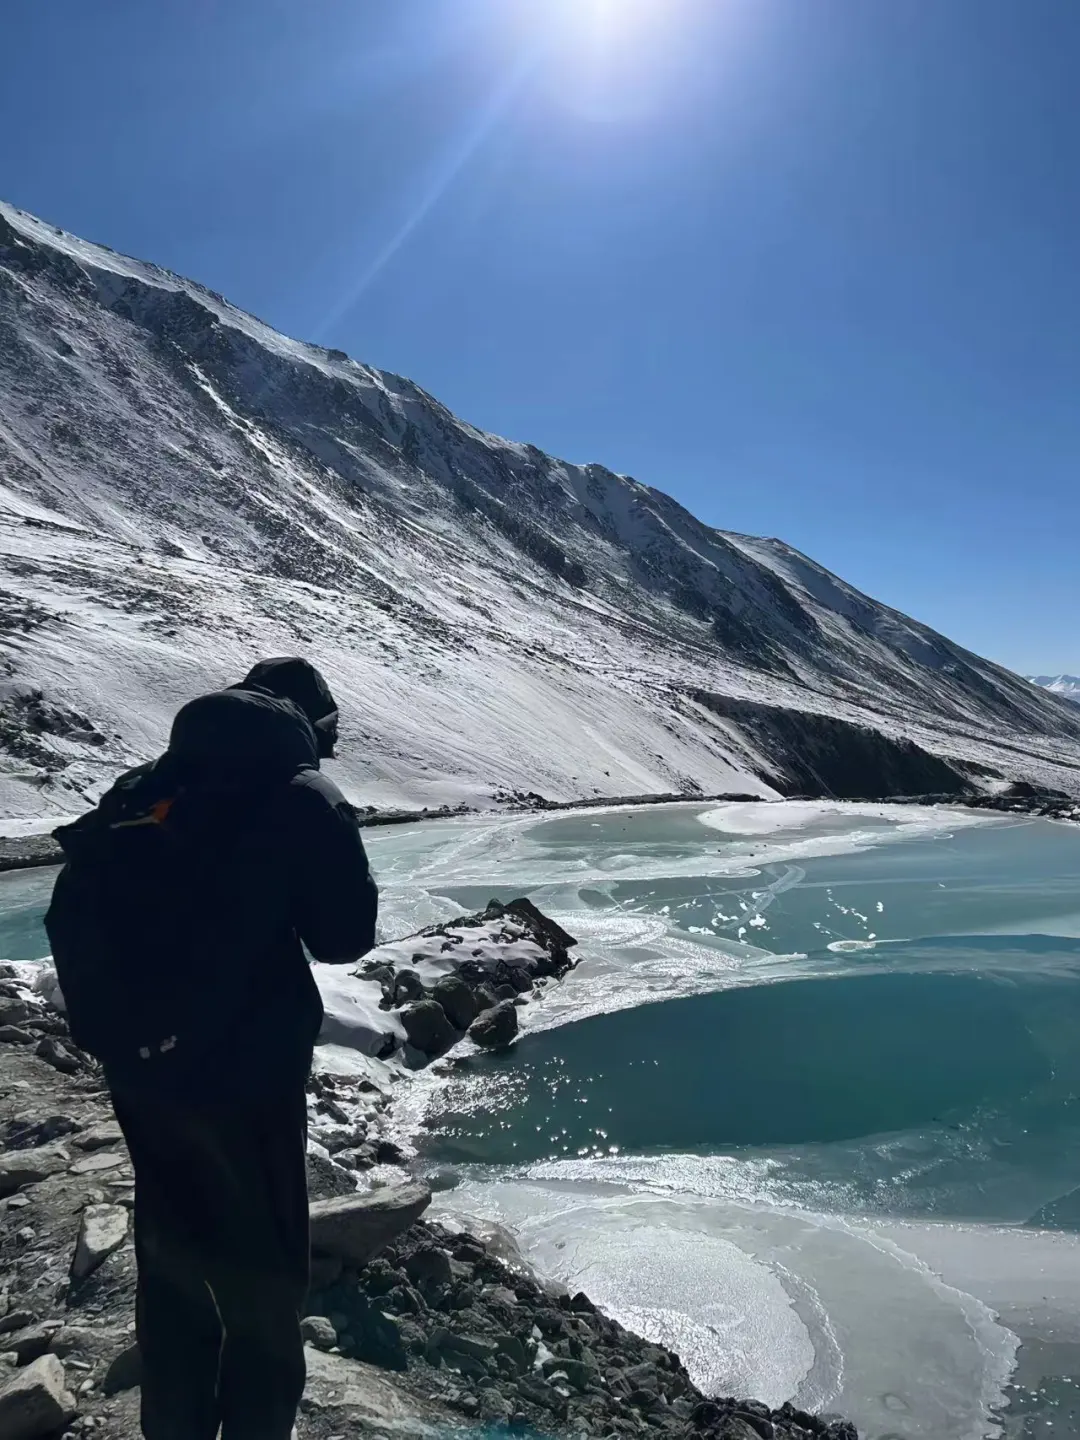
<point x="414" y="1326"/>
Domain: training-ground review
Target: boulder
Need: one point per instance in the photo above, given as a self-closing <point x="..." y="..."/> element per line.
<point x="104" y="1229"/>
<point x="496" y="1028"/>
<point x="457" y="1000"/>
<point x="408" y="986"/>
<point x="29" y="1167"/>
<point x="427" y="1027"/>
<point x="429" y="1268"/>
<point x="13" y="1035"/>
<point x="356" y="1227"/>
<point x="14" y="1012"/>
<point x="36" y="1401"/>
<point x="486" y="999"/>
<point x="318" y="1331"/>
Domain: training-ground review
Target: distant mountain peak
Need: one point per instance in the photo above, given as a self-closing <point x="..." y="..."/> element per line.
<point x="1066" y="685"/>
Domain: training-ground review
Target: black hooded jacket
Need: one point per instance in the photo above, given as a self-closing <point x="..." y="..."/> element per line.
<point x="282" y="866"/>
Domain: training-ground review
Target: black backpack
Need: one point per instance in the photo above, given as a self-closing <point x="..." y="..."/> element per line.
<point x="124" y="925"/>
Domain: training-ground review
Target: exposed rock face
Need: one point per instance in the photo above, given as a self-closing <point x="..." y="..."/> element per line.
<point x="810" y="754"/>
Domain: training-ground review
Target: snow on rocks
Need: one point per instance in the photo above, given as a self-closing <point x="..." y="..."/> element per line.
<point x="422" y="994"/>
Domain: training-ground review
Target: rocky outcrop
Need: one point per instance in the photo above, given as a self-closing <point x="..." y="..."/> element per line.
<point x="823" y="756"/>
<point x="456" y="977"/>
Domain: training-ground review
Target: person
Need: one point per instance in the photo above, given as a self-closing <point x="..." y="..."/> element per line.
<point x="178" y="925"/>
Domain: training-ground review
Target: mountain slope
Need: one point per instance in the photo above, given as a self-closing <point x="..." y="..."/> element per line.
<point x="182" y="488"/>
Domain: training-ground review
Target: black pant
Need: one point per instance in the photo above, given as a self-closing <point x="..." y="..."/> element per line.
<point x="221" y="1239"/>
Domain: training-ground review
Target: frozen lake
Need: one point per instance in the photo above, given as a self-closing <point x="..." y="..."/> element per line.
<point x="809" y="1110"/>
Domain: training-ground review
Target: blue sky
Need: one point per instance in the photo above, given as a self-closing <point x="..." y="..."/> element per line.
<point x="811" y="266"/>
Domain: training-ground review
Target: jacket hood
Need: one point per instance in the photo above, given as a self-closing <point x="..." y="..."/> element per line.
<point x="239" y="737"/>
<point x="290" y="678"/>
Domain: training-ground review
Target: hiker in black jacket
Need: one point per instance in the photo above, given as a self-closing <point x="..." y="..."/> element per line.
<point x="176" y="928"/>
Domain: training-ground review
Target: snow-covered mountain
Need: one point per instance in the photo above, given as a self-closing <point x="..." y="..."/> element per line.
<point x="1066" y="685"/>
<point x="183" y="489"/>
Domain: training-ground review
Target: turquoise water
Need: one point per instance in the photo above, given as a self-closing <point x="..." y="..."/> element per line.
<point x="809" y="1108"/>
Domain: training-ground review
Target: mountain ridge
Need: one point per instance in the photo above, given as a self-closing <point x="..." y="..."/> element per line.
<point x="1065" y="685"/>
<point x="181" y="487"/>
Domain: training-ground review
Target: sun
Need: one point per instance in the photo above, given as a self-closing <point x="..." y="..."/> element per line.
<point x="611" y="22"/>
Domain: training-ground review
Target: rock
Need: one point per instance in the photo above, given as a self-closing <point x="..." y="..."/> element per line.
<point x="375" y="1337"/>
<point x="429" y="1268"/>
<point x="427" y="1027"/>
<point x="486" y="999"/>
<point x="538" y="1392"/>
<point x="30" y="1344"/>
<point x="53" y="1053"/>
<point x="104" y="1229"/>
<point x="761" y="1425"/>
<point x="505" y="992"/>
<point x="100" y="1136"/>
<point x="643" y="1377"/>
<point x="12" y="1035"/>
<point x="737" y="1427"/>
<point x="30" y="1167"/>
<point x="551" y="937"/>
<point x="356" y="1227"/>
<point x="457" y="1000"/>
<point x="97" y="1164"/>
<point x="36" y="1401"/>
<point x="124" y="1372"/>
<point x="318" y="1331"/>
<point x="327" y="1179"/>
<point x="514" y="1350"/>
<point x="496" y="1028"/>
<point x="387" y="1153"/>
<point x="494" y="1407"/>
<point x="408" y="986"/>
<point x="476" y="1347"/>
<point x="14" y="1012"/>
<point x="580" y="1373"/>
<point x="643" y="1399"/>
